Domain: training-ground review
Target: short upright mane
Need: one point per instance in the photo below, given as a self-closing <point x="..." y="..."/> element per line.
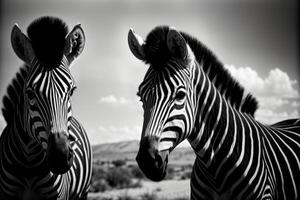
<point x="47" y="35"/>
<point x="156" y="53"/>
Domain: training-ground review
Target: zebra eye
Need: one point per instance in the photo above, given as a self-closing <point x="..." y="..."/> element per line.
<point x="180" y="95"/>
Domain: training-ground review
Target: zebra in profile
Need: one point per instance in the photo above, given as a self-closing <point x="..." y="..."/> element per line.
<point x="188" y="94"/>
<point x="44" y="151"/>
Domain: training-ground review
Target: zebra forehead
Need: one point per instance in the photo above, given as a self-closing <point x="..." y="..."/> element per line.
<point x="43" y="80"/>
<point x="167" y="77"/>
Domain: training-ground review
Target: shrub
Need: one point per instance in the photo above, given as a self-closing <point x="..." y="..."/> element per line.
<point x="136" y="172"/>
<point x="170" y="172"/>
<point x="186" y="175"/>
<point x="106" y="178"/>
<point x="125" y="196"/>
<point x="118" y="177"/>
<point x="182" y="198"/>
<point x="98" y="182"/>
<point x="99" y="186"/>
<point x="119" y="163"/>
<point x="136" y="184"/>
<point x="149" y="196"/>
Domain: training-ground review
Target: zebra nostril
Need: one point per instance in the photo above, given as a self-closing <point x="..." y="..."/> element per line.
<point x="161" y="158"/>
<point x="151" y="161"/>
<point x="59" y="153"/>
<point x="158" y="160"/>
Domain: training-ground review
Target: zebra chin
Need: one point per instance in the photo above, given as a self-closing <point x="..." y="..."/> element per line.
<point x="60" y="155"/>
<point x="152" y="162"/>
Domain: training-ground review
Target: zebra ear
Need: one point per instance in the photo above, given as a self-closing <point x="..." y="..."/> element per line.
<point x="21" y="45"/>
<point x="176" y="44"/>
<point x="136" y="43"/>
<point x="74" y="44"/>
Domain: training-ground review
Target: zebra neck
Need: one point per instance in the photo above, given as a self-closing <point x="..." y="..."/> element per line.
<point x="27" y="153"/>
<point x="218" y="126"/>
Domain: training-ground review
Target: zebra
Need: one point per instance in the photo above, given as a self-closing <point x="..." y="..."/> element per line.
<point x="187" y="93"/>
<point x="44" y="151"/>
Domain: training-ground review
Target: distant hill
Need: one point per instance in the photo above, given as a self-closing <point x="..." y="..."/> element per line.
<point x="118" y="147"/>
<point x="128" y="149"/>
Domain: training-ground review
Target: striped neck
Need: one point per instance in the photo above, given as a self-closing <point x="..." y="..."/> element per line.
<point x="216" y="119"/>
<point x="222" y="139"/>
<point x="27" y="152"/>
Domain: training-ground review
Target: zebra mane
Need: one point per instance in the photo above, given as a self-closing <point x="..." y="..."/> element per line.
<point x="220" y="76"/>
<point x="157" y="53"/>
<point x="14" y="91"/>
<point x="47" y="35"/>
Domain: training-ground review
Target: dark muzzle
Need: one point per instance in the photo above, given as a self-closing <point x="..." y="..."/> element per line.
<point x="60" y="155"/>
<point x="152" y="162"/>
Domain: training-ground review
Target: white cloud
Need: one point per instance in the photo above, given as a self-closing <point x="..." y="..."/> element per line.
<point x="272" y="102"/>
<point x="111" y="99"/>
<point x="276" y="84"/>
<point x="269" y="116"/>
<point x="295" y="104"/>
<point x="276" y="94"/>
<point x="247" y="77"/>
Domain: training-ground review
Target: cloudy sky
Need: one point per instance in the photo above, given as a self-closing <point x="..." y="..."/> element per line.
<point x="257" y="41"/>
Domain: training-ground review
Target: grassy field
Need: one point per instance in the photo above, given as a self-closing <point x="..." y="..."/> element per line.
<point x="128" y="150"/>
<point x="116" y="175"/>
<point x="168" y="190"/>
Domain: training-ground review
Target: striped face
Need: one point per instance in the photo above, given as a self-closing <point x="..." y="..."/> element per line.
<point x="48" y="88"/>
<point x="167" y="96"/>
<point x="47" y="112"/>
<point x="47" y="101"/>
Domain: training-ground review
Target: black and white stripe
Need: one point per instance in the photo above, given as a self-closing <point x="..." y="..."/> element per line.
<point x="195" y="98"/>
<point x="45" y="104"/>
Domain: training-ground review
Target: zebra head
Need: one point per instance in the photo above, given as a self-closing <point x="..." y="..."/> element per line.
<point x="48" y="51"/>
<point x="167" y="96"/>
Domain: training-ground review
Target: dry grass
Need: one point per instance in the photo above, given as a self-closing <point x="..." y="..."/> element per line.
<point x="164" y="190"/>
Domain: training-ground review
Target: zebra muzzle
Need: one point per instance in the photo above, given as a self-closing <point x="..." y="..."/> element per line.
<point x="60" y="155"/>
<point x="152" y="162"/>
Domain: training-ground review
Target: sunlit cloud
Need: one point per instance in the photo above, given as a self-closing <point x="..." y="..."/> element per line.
<point x="111" y="99"/>
<point x="273" y="102"/>
<point x="277" y="95"/>
<point x="277" y="83"/>
<point x="295" y="104"/>
<point x="269" y="116"/>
